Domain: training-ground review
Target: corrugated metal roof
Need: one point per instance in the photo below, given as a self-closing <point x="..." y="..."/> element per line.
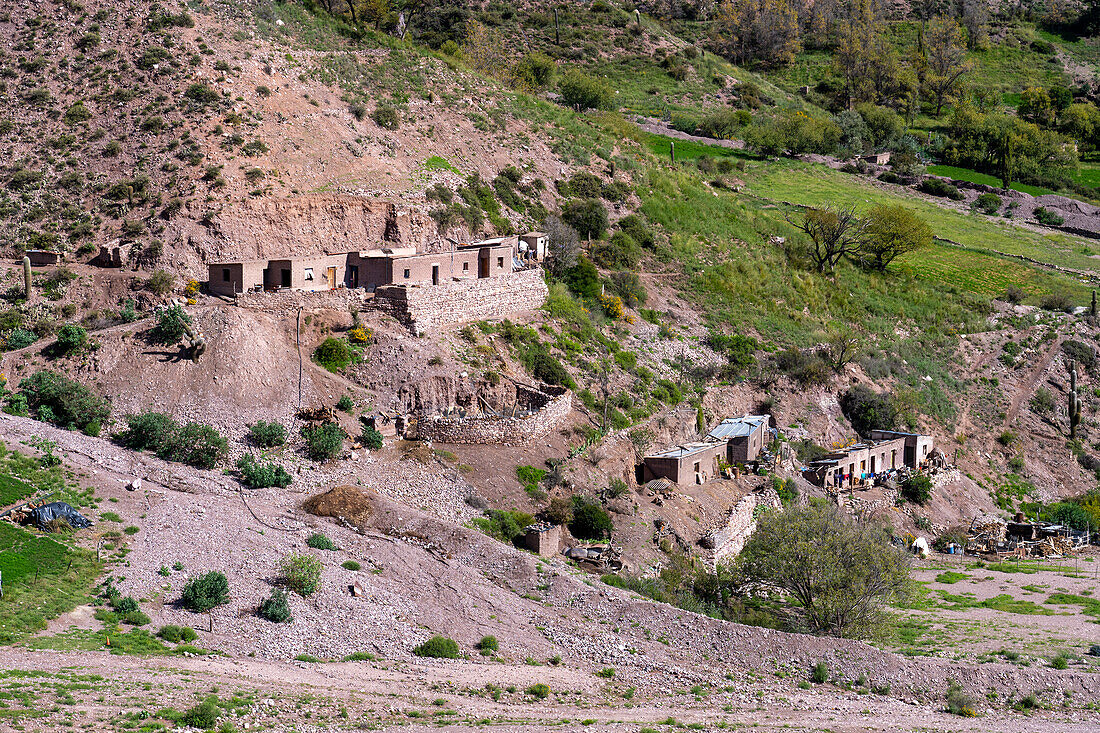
<point x="681" y="451"/>
<point x="737" y="427"/>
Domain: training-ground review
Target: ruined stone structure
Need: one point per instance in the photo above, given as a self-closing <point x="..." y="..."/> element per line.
<point x="429" y="307"/>
<point x="542" y="412"/>
<point x="729" y="539"/>
<point x="543" y="539"/>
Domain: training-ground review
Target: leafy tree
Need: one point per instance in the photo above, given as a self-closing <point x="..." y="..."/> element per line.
<point x="944" y="60"/>
<point x="765" y="31"/>
<point x="917" y="489"/>
<point x="839" y="573"/>
<point x="534" y="71"/>
<point x="892" y="230"/>
<point x="868" y="410"/>
<point x="590" y="521"/>
<point x="587" y="216"/>
<point x="621" y="252"/>
<point x="583" y="278"/>
<point x="581" y="91"/>
<point x="834" y="233"/>
<point x="172" y="323"/>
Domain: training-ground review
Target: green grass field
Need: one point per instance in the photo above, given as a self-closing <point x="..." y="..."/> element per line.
<point x="1088" y="174"/>
<point x="690" y="150"/>
<point x="972" y="176"/>
<point x="978" y="268"/>
<point x="43" y="575"/>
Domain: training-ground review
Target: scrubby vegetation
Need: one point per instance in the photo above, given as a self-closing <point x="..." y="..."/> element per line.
<point x="438" y="647"/>
<point x="205" y="591"/>
<point x="192" y="443"/>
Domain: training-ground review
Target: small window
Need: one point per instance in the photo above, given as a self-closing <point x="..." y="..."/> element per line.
<point x="225" y="274"/>
<point x="465" y="266"/>
<point x="309" y="274"/>
<point x="500" y="262"/>
<point x="406" y="273"/>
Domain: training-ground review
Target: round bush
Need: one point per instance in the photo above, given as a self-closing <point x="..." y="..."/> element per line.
<point x="323" y="441"/>
<point x="125" y="605"/>
<point x="205" y="592"/>
<point x="267" y="434"/>
<point x="917" y="489"/>
<point x="175" y="634"/>
<point x="438" y="647"/>
<point x="319" y="541"/>
<point x="352" y="565"/>
<point x="590" y="521"/>
<point x="70" y="338"/>
<point x="276" y="608"/>
<point x="301" y="573"/>
<point x="488" y="644"/>
<point x="539" y="690"/>
<point x="135" y="618"/>
<point x="333" y="354"/>
<point x="20" y="338"/>
<point x="372" y="438"/>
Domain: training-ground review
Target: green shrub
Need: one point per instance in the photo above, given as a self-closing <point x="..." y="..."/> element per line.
<point x="135" y="618"/>
<point x="988" y="203"/>
<point x="504" y="525"/>
<point x="20" y="338"/>
<point x="438" y="647"/>
<point x="334" y="354"/>
<point x="203" y="716"/>
<point x="73" y="406"/>
<point x="267" y="434"/>
<point x="351" y="565"/>
<point x="276" y="607"/>
<point x="345" y="404"/>
<point x="1080" y="352"/>
<point x="629" y="287"/>
<point x="488" y="645"/>
<point x="205" y="592"/>
<point x="371" y="438"/>
<point x="160" y="282"/>
<point x="319" y="541"/>
<point x="176" y="634"/>
<point x="195" y="444"/>
<point x="386" y="117"/>
<point x="1059" y="662"/>
<point x="70" y="338"/>
<point x="587" y="216"/>
<point x="960" y="703"/>
<point x="1048" y="217"/>
<point x="941" y="188"/>
<point x="620" y="252"/>
<point x="125" y="604"/>
<point x="581" y="91"/>
<point x="323" y="441"/>
<point x="172" y="323"/>
<point x="917" y="489"/>
<point x="301" y="572"/>
<point x="820" y="673"/>
<point x="590" y="521"/>
<point x="1059" y="302"/>
<point x="258" y="475"/>
<point x="539" y="690"/>
<point x="146" y="431"/>
<point x="868" y="410"/>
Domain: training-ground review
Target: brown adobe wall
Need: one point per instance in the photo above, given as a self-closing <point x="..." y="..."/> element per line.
<point x="493" y="430"/>
<point x="432" y="306"/>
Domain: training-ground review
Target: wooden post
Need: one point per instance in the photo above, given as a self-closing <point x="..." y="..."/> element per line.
<point x="672" y="151"/>
<point x="557" y="31"/>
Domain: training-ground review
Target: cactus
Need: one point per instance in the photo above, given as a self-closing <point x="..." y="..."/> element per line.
<point x="1092" y="308"/>
<point x="672" y="151"/>
<point x="1074" y="403"/>
<point x="26" y="277"/>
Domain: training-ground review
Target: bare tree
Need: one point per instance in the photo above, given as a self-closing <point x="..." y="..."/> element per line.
<point x="834" y="233"/>
<point x="563" y="245"/>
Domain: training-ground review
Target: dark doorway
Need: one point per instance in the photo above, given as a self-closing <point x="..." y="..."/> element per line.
<point x="284" y="276"/>
<point x="435" y="274"/>
<point x="353" y="276"/>
<point x="911" y="456"/>
<point x="483" y="266"/>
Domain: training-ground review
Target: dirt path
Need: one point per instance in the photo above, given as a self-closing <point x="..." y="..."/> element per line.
<point x="1025" y="388"/>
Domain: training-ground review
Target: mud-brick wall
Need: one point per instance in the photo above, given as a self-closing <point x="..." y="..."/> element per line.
<point x="431" y="306"/>
<point x="729" y="539"/>
<point x="496" y="430"/>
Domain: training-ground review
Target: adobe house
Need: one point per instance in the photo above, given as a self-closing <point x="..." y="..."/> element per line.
<point x="42" y="257"/>
<point x="691" y="463"/>
<point x="888" y="450"/>
<point x="744" y="437"/>
<point x="370" y="269"/>
<point x="917" y="447"/>
<point x="532" y="246"/>
<point x="543" y="539"/>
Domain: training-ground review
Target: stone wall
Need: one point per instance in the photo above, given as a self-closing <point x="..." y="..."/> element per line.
<point x="425" y="308"/>
<point x="491" y="429"/>
<point x="729" y="539"/>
